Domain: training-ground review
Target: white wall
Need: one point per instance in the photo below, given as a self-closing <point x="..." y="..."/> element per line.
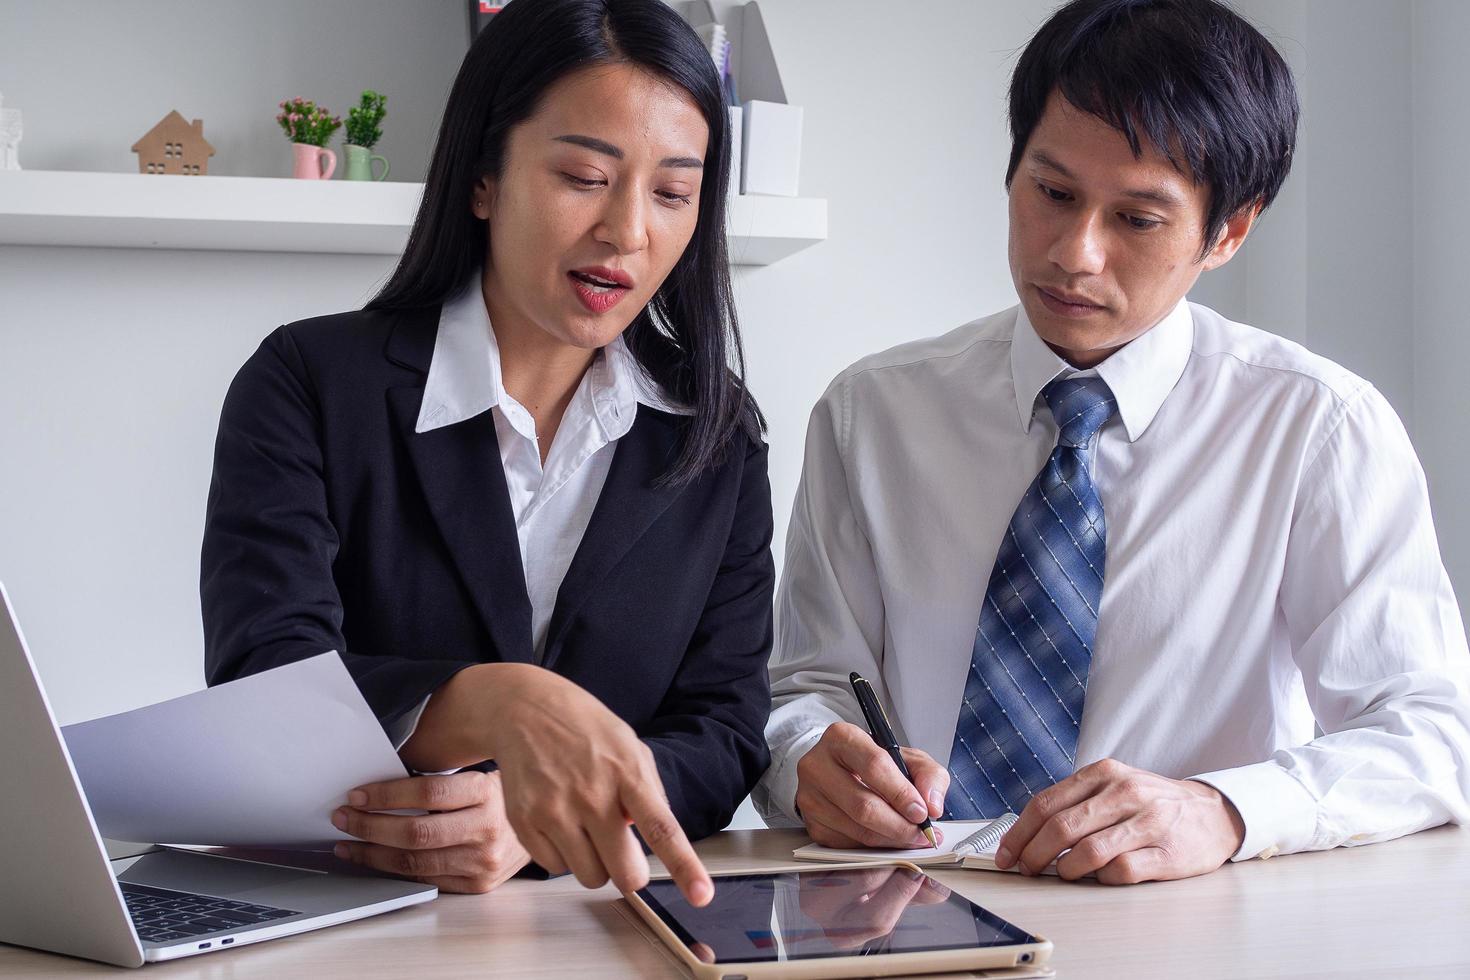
<point x="1371" y="252"/>
<point x="1441" y="215"/>
<point x="1264" y="282"/>
<point x="113" y="365"/>
<point x="114" y="362"/>
<point x="1359" y="123"/>
<point x="93" y="78"/>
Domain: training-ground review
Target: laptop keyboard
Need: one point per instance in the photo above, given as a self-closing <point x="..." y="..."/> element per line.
<point x="161" y="915"/>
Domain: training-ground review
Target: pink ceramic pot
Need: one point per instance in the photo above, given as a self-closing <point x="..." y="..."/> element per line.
<point x="314" y="162"/>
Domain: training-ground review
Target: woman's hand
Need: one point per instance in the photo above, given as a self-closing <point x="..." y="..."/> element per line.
<point x="576" y="775"/>
<point x="463" y="844"/>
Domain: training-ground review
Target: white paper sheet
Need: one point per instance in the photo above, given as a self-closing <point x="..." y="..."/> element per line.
<point x="259" y="761"/>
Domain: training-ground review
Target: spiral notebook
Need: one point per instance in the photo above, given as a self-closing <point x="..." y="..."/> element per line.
<point x="966" y="844"/>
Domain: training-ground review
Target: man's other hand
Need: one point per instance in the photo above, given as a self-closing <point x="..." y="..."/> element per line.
<point x="1126" y="825"/>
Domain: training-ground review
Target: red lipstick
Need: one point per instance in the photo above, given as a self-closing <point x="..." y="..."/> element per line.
<point x="598" y="287"/>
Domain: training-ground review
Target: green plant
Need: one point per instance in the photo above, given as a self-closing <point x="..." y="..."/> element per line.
<point x="303" y="121"/>
<point x="363" y="118"/>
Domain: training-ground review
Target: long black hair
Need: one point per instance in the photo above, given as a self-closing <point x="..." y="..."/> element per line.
<point x="687" y="338"/>
<point x="1190" y="76"/>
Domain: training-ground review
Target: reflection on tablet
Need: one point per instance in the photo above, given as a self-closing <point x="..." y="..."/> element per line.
<point x="826" y="913"/>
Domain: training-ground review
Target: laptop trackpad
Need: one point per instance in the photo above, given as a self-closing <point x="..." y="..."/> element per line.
<point x="206" y="874"/>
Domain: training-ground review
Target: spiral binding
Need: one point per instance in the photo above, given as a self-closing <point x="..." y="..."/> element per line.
<point x="987" y="837"/>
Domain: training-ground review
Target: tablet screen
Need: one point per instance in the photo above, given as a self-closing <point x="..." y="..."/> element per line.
<point x="825" y="913"/>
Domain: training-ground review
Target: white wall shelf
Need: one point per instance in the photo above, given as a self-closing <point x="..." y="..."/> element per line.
<point x="764" y="230"/>
<point x="266" y="214"/>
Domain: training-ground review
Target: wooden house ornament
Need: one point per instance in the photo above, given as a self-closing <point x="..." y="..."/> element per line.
<point x="174" y="146"/>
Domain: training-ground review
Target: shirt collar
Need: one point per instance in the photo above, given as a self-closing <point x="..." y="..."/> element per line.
<point x="465" y="380"/>
<point x="1140" y="374"/>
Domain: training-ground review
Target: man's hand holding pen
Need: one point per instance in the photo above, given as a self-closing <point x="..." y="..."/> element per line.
<point x="851" y="794"/>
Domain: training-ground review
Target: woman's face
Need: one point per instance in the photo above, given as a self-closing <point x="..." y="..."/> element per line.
<point x="597" y="198"/>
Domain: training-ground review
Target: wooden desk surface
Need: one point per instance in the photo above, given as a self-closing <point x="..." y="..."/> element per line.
<point x="1400" y="909"/>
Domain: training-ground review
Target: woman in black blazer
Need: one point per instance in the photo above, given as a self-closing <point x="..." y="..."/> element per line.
<point x="544" y="543"/>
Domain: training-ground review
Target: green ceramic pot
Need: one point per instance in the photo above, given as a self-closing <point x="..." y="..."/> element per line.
<point x="360" y="162"/>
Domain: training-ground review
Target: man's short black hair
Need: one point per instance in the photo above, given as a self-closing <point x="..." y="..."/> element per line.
<point x="1190" y="76"/>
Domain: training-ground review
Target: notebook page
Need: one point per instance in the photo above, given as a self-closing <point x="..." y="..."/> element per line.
<point x="960" y="838"/>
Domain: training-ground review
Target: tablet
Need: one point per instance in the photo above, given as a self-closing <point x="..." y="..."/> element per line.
<point x="869" y="920"/>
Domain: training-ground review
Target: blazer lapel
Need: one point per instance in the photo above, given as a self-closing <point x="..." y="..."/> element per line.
<point x="459" y="469"/>
<point x="627" y="507"/>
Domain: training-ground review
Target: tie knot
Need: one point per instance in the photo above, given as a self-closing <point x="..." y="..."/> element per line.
<point x="1080" y="407"/>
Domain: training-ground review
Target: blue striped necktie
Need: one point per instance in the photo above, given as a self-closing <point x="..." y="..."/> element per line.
<point x="1017" y="728"/>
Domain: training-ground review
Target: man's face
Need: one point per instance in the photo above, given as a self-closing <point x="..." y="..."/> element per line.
<point x="1103" y="244"/>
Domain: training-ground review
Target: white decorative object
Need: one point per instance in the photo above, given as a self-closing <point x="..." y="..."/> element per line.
<point x="771" y="149"/>
<point x="9" y="137"/>
<point x="737" y="139"/>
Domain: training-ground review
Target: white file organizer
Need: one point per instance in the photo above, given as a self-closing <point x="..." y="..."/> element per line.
<point x="770" y="134"/>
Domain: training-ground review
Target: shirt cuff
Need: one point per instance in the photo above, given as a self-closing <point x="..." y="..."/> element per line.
<point x="775" y="795"/>
<point x="1280" y="814"/>
<point x="402" y="730"/>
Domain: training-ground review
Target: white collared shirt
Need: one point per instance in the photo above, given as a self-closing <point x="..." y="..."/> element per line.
<point x="1271" y="562"/>
<point x="552" y="504"/>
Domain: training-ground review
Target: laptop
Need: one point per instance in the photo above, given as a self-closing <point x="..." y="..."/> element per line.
<point x="60" y="891"/>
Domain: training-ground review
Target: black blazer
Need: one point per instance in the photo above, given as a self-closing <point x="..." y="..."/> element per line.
<point x="331" y="524"/>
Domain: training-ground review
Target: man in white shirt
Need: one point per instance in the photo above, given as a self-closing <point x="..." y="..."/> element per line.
<point x="1108" y="556"/>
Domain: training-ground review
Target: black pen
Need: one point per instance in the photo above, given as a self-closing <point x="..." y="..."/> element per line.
<point x="882" y="733"/>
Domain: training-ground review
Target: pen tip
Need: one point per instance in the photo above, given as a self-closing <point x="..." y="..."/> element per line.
<point x="929" y="833"/>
